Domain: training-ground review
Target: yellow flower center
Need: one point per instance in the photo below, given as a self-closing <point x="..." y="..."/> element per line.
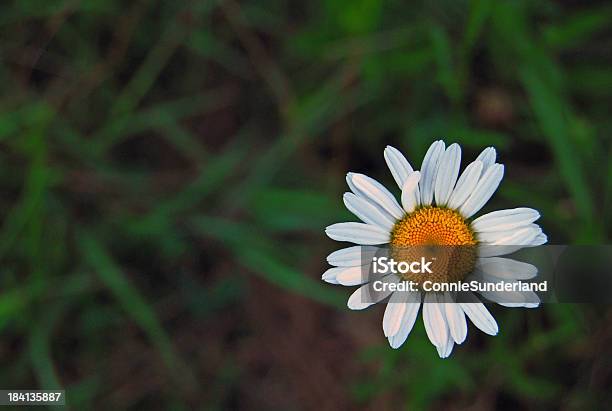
<point x="442" y="236"/>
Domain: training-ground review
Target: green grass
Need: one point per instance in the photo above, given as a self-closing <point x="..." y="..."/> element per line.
<point x="163" y="165"/>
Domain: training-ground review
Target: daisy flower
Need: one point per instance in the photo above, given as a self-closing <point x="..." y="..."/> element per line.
<point x="436" y="207"/>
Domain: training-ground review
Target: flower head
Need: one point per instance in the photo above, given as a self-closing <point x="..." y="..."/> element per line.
<point x="436" y="209"/>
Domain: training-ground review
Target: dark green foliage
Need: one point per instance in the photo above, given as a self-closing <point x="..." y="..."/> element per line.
<point x="167" y="170"/>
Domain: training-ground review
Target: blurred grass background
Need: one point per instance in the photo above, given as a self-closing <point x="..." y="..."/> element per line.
<point x="167" y="170"/>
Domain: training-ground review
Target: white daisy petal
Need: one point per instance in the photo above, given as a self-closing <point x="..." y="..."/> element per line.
<point x="529" y="236"/>
<point x="394" y="313"/>
<point x="433" y="318"/>
<point x="429" y="169"/>
<point x="506" y="268"/>
<point x="409" y="194"/>
<point x="329" y="276"/>
<point x="368" y="212"/>
<point x="399" y="166"/>
<point x="371" y="189"/>
<point x="491" y="237"/>
<point x="505" y="298"/>
<point x="455" y="319"/>
<point x="465" y="185"/>
<point x="364" y="196"/>
<point x="358" y="300"/>
<point x="363" y="297"/>
<point x="540" y="239"/>
<point x="479" y="315"/>
<point x="506" y="237"/>
<point x="358" y="233"/>
<point x="352" y="256"/>
<point x="532" y="300"/>
<point x="346" y="257"/>
<point x="349" y="182"/>
<point x="487" y="185"/>
<point x="445" y="350"/>
<point x="520" y="236"/>
<point x="352" y="275"/>
<point x="448" y="171"/>
<point x="408" y="319"/>
<point x="524" y="237"/>
<point x="487" y="157"/>
<point x="505" y="219"/>
<point x="489" y="250"/>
